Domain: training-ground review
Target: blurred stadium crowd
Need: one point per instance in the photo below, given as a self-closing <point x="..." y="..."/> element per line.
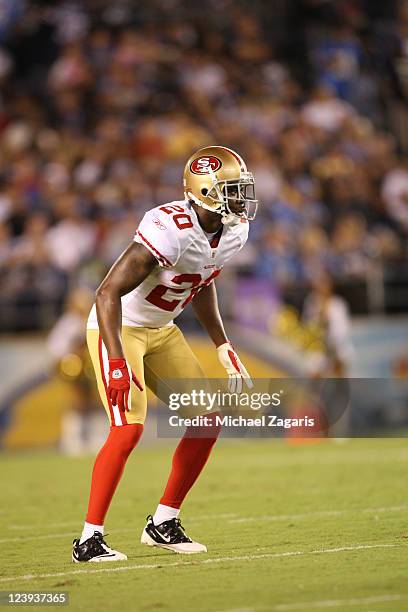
<point x="101" y="104"/>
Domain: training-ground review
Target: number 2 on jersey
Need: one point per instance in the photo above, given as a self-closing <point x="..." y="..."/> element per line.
<point x="181" y="219"/>
<point x="156" y="298"/>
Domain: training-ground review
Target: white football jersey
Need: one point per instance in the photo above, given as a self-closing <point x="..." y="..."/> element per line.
<point x="187" y="262"/>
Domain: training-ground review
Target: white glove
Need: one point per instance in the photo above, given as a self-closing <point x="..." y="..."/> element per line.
<point x="235" y="369"/>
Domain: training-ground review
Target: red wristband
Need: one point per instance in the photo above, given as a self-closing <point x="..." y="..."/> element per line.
<point x="117" y="362"/>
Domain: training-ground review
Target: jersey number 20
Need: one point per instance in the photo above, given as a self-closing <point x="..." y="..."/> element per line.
<point x="156" y="296"/>
<point x="181" y="219"/>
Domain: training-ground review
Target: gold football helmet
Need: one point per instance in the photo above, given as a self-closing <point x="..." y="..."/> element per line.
<point x="217" y="178"/>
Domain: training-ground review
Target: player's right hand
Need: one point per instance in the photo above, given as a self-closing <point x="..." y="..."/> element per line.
<point x="119" y="383"/>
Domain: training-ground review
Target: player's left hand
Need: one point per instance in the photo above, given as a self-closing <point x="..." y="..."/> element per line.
<point x="235" y="368"/>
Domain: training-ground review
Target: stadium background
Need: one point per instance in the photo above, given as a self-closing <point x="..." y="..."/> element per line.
<point x="101" y="104"/>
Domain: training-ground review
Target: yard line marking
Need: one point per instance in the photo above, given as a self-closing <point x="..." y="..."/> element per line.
<point x="51" y="525"/>
<point x="198" y="519"/>
<point x="294" y="553"/>
<point x="286" y="517"/>
<point x="240" y="610"/>
<point x="333" y="603"/>
<point x="47" y="536"/>
<point x="31" y="527"/>
<point x="383" y="509"/>
<point x="210" y="517"/>
<point x="289" y="517"/>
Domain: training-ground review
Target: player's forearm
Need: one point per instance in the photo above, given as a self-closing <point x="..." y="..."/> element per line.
<point x="205" y="305"/>
<point x="109" y="313"/>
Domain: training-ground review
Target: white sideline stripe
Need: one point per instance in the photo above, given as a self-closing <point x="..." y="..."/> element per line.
<point x="294" y="553"/>
<point x="334" y="603"/>
<point x="192" y="519"/>
<point x="288" y="517"/>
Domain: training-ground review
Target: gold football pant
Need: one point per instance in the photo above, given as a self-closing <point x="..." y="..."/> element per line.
<point x="154" y="355"/>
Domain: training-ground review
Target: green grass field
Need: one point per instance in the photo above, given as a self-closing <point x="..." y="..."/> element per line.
<point x="308" y="527"/>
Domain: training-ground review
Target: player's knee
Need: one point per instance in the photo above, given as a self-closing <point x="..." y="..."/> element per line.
<point x="209" y="431"/>
<point x="214" y="427"/>
<point x="126" y="437"/>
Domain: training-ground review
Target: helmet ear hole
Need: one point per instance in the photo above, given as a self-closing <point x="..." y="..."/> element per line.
<point x="204" y="191"/>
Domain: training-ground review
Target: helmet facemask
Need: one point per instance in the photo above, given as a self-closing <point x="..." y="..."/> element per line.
<point x="225" y="193"/>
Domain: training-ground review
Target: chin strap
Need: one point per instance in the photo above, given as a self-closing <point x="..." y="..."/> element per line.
<point x="191" y="196"/>
<point x="227" y="218"/>
<point x="230" y="219"/>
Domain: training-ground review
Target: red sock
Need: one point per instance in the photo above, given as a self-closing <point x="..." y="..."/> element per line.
<point x="108" y="468"/>
<point x="189" y="460"/>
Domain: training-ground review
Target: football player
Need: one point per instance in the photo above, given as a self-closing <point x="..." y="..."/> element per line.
<point x="177" y="252"/>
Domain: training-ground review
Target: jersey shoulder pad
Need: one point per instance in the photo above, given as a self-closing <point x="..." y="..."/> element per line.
<point x="159" y="235"/>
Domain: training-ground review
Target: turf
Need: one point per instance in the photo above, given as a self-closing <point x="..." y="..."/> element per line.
<point x="306" y="527"/>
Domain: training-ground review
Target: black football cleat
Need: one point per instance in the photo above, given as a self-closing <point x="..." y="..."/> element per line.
<point x="95" y="550"/>
<point x="170" y="535"/>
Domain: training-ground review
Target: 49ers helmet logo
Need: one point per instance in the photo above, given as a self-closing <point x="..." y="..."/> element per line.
<point x="202" y="165"/>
